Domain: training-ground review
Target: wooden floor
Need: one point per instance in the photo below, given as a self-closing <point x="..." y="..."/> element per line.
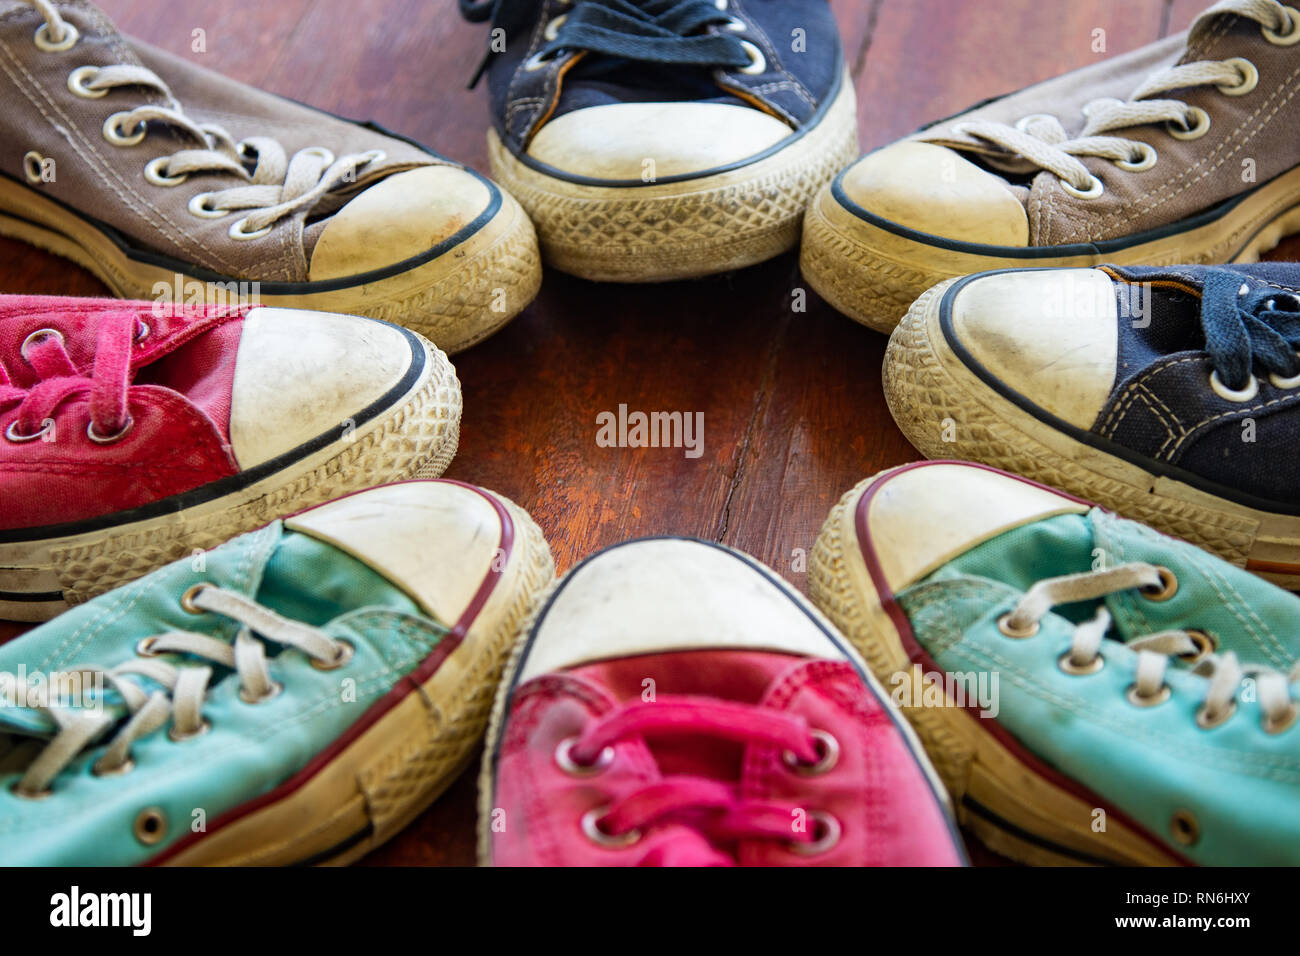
<point x="792" y="404"/>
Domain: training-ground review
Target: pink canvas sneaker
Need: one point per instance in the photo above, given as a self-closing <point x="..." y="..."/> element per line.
<point x="133" y="434"/>
<point x="676" y="704"/>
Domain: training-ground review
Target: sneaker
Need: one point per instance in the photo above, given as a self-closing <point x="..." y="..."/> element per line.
<point x="133" y="434"/>
<point x="296" y="697"/>
<point x="169" y="182"/>
<point x="665" y="139"/>
<point x="1165" y="394"/>
<point x="1181" y="152"/>
<point x="676" y="704"/>
<point x="1090" y="690"/>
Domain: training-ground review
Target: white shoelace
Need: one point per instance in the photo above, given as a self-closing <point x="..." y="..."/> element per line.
<point x="1225" y="673"/>
<point x="186" y="687"/>
<point x="277" y="187"/>
<point x="1041" y="142"/>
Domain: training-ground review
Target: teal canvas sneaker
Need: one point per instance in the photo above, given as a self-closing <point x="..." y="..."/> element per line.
<point x="296" y="695"/>
<point x="1090" y="690"/>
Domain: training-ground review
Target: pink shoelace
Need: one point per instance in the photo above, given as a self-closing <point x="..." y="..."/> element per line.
<point x="707" y="812"/>
<point x="60" y="382"/>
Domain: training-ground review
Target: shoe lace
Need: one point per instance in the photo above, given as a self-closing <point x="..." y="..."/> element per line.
<point x="277" y="185"/>
<point x="182" y="690"/>
<point x="60" y="381"/>
<point x="1245" y="325"/>
<point x="705" y="812"/>
<point x="1225" y="673"/>
<point x="1041" y="142"/>
<point x="672" y="32"/>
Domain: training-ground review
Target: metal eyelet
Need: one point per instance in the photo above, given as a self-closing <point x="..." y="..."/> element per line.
<point x="538" y="61"/>
<point x="1195" y="125"/>
<point x="1094" y="190"/>
<point x="553" y="28"/>
<point x="829" y="750"/>
<point x="43" y="42"/>
<point x="1184" y="827"/>
<point x="22" y="794"/>
<point x="236" y="231"/>
<point x="32" y="167"/>
<point x="324" y="154"/>
<point x="113" y="131"/>
<point x="144" y="647"/>
<point x="1080" y="670"/>
<point x="1167" y="588"/>
<point x="757" y="62"/>
<point x="276" y="690"/>
<point x="1018" y="633"/>
<point x="1146" y="159"/>
<point x="591" y="827"/>
<point x="77" y="83"/>
<point x="1232" y="394"/>
<point x="36" y="337"/>
<point x="831" y="833"/>
<point x="346" y="651"/>
<point x="13" y="435"/>
<point x="564" y="757"/>
<point x="179" y="738"/>
<point x="1206" y="644"/>
<point x="187" y="599"/>
<point x="736" y="25"/>
<point x="117" y="436"/>
<point x="1285" y="383"/>
<point x="150" y="826"/>
<point x="1139" y="699"/>
<point x="121" y="769"/>
<point x="1025" y="122"/>
<point x="1249" y="77"/>
<point x="198" y="206"/>
<point x="1291" y="36"/>
<point x="155" y="172"/>
<point x="142" y="330"/>
<point x="1205" y="721"/>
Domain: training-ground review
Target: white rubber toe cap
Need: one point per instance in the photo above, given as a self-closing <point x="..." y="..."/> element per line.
<point x="918" y="519"/>
<point x="934" y="190"/>
<point x="436" y="540"/>
<point x="299" y="375"/>
<point x="1050" y="335"/>
<point x="398" y="218"/>
<point x="666" y="595"/>
<point x="633" y="141"/>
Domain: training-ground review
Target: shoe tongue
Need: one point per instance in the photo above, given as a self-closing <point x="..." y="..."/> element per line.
<point x="736" y="676"/>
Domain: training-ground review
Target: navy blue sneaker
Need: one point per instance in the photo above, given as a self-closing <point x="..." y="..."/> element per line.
<point x="665" y="139"/>
<point x="1169" y="394"/>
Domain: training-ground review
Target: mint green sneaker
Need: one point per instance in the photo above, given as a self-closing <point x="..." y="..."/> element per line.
<point x="1089" y="690"/>
<point x="296" y="695"/>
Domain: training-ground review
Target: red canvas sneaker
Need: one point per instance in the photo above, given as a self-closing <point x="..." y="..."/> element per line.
<point x="133" y="434"/>
<point x="676" y="704"/>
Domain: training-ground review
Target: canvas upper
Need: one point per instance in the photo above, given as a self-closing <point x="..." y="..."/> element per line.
<point x="1152" y="680"/>
<point x="107" y="406"/>
<point x="1190" y="372"/>
<point x="1120" y="150"/>
<point x="589" y="90"/>
<point x="676" y="705"/>
<point x="225" y="685"/>
<point x="184" y="166"/>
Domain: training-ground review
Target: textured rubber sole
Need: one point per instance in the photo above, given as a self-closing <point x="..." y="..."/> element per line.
<point x="392" y="772"/>
<point x="682" y="230"/>
<point x="946" y="411"/>
<point x="455" y="300"/>
<point x="999" y="798"/>
<point x="416" y="438"/>
<point x="872" y="275"/>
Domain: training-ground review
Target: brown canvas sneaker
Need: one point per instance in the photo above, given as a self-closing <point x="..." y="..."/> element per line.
<point x="1184" y="151"/>
<point x="172" y="182"/>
